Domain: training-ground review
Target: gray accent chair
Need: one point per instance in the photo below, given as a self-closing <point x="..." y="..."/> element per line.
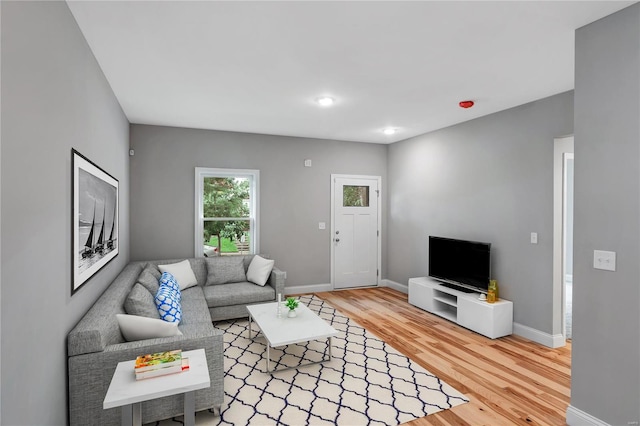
<point x="95" y="345"/>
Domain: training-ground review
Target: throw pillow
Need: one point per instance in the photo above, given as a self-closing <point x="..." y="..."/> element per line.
<point x="170" y="281"/>
<point x="134" y="327"/>
<point x="259" y="270"/>
<point x="153" y="269"/>
<point x="225" y="269"/>
<point x="148" y="280"/>
<point x="183" y="273"/>
<point x="140" y="302"/>
<point x="168" y="304"/>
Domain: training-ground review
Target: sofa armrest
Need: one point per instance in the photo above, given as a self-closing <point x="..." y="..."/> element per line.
<point x="90" y="374"/>
<point x="276" y="280"/>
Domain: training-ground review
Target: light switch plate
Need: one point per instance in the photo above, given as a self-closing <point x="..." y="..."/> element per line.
<point x="322" y="225"/>
<point x="605" y="260"/>
<point x="307" y="163"/>
<point x="534" y="238"/>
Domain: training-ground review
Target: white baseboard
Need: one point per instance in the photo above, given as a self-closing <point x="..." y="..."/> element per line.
<point x="404" y="288"/>
<point x="577" y="417"/>
<point x="546" y="339"/>
<point x="313" y="288"/>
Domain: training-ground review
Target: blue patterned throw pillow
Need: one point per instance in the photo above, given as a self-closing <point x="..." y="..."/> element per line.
<point x="170" y="281"/>
<point x="168" y="303"/>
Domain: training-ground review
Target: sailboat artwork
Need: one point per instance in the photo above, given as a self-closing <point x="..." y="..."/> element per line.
<point x="111" y="241"/>
<point x="88" y="245"/>
<point x="95" y="219"/>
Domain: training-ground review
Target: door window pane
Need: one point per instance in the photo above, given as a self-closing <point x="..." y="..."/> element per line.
<point x="355" y="196"/>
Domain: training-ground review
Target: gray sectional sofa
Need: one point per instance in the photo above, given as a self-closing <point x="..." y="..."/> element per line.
<point x="96" y="345"/>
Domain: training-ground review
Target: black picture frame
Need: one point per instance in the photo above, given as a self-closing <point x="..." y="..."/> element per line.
<point x="94" y="218"/>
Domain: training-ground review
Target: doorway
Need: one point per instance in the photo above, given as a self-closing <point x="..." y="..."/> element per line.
<point x="567" y="242"/>
<point x="355" y="231"/>
<point x="563" y="238"/>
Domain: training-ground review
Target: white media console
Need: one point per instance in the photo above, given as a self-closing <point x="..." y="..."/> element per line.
<point x="489" y="319"/>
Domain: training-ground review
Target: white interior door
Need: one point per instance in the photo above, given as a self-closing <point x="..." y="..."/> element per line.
<point x="355" y="231"/>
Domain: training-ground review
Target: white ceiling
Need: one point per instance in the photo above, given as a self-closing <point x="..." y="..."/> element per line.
<point x="259" y="66"/>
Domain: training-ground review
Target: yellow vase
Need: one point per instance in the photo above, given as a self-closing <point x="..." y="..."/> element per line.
<point x="492" y="294"/>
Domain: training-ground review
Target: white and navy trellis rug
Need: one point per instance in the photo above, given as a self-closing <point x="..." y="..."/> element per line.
<point x="367" y="382"/>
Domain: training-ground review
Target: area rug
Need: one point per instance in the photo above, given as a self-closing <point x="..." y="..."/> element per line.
<point x="366" y="383"/>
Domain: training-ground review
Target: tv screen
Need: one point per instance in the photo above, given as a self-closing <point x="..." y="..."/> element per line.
<point x="465" y="264"/>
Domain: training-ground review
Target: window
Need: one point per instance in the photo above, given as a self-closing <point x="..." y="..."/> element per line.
<point x="355" y="196"/>
<point x="226" y="211"/>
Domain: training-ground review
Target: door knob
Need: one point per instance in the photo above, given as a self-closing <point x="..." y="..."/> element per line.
<point x="337" y="232"/>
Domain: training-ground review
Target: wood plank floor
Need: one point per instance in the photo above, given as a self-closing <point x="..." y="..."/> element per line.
<point x="509" y="381"/>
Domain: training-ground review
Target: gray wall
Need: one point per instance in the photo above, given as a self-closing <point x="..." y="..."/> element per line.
<point x="606" y="345"/>
<point x="54" y="97"/>
<point x="293" y="198"/>
<point x="489" y="179"/>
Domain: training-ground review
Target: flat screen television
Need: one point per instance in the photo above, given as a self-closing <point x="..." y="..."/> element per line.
<point x="463" y="264"/>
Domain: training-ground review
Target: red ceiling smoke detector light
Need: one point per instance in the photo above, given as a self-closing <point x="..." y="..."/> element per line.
<point x="466" y="104"/>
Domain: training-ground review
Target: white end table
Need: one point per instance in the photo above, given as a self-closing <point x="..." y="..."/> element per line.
<point x="306" y="326"/>
<point x="127" y="392"/>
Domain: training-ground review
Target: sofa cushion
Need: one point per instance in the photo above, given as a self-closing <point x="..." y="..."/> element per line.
<point x="259" y="270"/>
<point x="225" y="269"/>
<point x="183" y="273"/>
<point x="148" y="279"/>
<point x="134" y="327"/>
<point x="140" y="302"/>
<point x="194" y="307"/>
<point x="239" y="293"/>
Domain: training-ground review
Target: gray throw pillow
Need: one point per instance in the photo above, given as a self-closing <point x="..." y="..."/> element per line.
<point x="225" y="269"/>
<point x="140" y="302"/>
<point x="153" y="269"/>
<point x="149" y="281"/>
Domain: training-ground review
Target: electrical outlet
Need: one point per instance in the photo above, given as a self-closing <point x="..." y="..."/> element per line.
<point x="322" y="225"/>
<point x="605" y="260"/>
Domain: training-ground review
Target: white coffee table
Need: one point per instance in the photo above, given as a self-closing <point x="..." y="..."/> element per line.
<point x="306" y="326"/>
<point x="127" y="392"/>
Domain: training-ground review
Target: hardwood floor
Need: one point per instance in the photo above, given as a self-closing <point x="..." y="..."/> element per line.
<point x="509" y="381"/>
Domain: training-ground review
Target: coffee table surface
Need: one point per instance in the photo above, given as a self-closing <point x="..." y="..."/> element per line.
<point x="283" y="331"/>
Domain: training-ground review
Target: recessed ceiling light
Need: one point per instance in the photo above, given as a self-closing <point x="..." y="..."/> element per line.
<point x="389" y="131"/>
<point x="325" y="101"/>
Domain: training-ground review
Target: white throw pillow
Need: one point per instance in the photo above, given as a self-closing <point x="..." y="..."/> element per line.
<point x="182" y="272"/>
<point x="259" y="270"/>
<point x="134" y="327"/>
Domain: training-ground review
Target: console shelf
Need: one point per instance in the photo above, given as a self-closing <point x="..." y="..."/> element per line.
<point x="489" y="319"/>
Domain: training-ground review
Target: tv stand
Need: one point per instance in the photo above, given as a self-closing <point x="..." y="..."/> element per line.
<point x="465" y="309"/>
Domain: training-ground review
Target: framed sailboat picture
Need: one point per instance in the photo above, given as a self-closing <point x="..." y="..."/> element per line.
<point x="95" y="219"/>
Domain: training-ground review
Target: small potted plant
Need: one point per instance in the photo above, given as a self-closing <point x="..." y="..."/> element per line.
<point x="292" y="304"/>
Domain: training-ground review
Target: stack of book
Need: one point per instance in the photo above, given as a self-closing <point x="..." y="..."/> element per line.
<point x="160" y="364"/>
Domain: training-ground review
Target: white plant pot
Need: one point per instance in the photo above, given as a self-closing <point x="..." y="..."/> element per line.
<point x="292" y="313"/>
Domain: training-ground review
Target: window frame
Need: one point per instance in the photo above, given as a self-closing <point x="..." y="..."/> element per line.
<point x="202" y="173"/>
